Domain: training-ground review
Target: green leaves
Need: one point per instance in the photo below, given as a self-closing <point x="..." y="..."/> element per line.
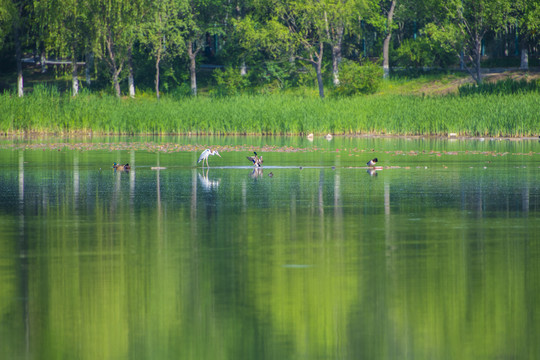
<point x="359" y="79"/>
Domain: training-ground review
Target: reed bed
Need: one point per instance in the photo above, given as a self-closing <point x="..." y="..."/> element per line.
<point x="513" y="115"/>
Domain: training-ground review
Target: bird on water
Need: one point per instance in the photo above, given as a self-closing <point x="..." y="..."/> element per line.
<point x="121" y="167"/>
<point x="205" y="154"/>
<point x="256" y="160"/>
<point x="372" y="162"/>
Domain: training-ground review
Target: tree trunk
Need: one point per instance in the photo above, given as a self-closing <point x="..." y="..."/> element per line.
<point x="158" y="60"/>
<point x="386" y="43"/>
<point x="478" y="58"/>
<point x="319" y="79"/>
<point x="115" y="69"/>
<point x="243" y="69"/>
<point x="43" y="62"/>
<point x="317" y="64"/>
<point x="131" y="78"/>
<point x="18" y="54"/>
<point x="192" y="68"/>
<point x="75" y="77"/>
<point x="524" y="56"/>
<point x="116" y="83"/>
<point x="88" y="67"/>
<point x="318" y="69"/>
<point x="336" y="55"/>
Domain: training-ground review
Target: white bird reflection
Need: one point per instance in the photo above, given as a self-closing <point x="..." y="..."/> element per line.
<point x="207" y="183"/>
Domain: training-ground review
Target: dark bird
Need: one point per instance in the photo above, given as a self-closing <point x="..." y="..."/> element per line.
<point x="271" y="174"/>
<point x="121" y="167"/>
<point x="372" y="162"/>
<point x="256" y="160"/>
<point x="205" y="154"/>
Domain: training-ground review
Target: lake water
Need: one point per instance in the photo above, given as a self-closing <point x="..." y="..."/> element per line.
<point x="435" y="256"/>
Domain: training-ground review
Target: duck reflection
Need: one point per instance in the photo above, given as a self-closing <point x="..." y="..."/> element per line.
<point x="372" y="172"/>
<point x="207" y="183"/>
<point x="256" y="173"/>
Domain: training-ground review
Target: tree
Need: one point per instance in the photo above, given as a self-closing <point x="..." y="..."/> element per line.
<point x="387" y="38"/>
<point x="6" y="12"/>
<point x="115" y="24"/>
<point x="162" y="31"/>
<point x="528" y="21"/>
<point x="15" y="15"/>
<point x="202" y="20"/>
<point x="259" y="37"/>
<point x="63" y="28"/>
<point x="473" y="19"/>
<point x="307" y="27"/>
<point x="340" y="17"/>
<point x="424" y="45"/>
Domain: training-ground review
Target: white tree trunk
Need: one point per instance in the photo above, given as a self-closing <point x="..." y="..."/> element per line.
<point x="243" y="69"/>
<point x="75" y="77"/>
<point x="524" y="58"/>
<point x="192" y="68"/>
<point x="18" y="54"/>
<point x="131" y="78"/>
<point x="336" y="55"/>
<point x="131" y="83"/>
<point x="20" y="84"/>
<point x="43" y="63"/>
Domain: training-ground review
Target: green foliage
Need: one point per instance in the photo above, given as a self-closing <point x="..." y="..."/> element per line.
<point x="230" y="81"/>
<point x="414" y="53"/>
<point x="274" y="76"/>
<point x="358" y="79"/>
<point x="6" y="10"/>
<point x="424" y="52"/>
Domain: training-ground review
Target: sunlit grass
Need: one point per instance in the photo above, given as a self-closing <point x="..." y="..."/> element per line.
<point x="425" y="83"/>
<point x="475" y="115"/>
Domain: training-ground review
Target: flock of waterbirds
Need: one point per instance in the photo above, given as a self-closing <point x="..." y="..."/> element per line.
<point x="256" y="160"/>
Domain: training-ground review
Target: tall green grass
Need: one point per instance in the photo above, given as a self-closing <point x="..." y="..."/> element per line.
<point x="475" y="115"/>
<point x="501" y="87"/>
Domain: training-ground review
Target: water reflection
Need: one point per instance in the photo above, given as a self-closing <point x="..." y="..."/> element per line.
<point x="319" y="263"/>
<point x="207" y="182"/>
<point x="372" y="172"/>
<point x="257" y="172"/>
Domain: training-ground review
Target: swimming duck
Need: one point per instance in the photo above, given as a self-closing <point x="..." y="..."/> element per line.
<point x="121" y="167"/>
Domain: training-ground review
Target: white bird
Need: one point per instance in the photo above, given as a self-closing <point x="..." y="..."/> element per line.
<point x="205" y="154"/>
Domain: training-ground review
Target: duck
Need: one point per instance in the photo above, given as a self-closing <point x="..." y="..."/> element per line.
<point x="256" y="160"/>
<point x="372" y="162"/>
<point x="121" y="167"/>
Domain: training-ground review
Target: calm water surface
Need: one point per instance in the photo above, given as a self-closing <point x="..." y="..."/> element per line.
<point x="437" y="256"/>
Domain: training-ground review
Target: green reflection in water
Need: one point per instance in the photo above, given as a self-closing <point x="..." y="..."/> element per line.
<point x="437" y="258"/>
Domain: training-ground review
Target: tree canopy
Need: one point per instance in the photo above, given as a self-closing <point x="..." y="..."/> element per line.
<point x="266" y="41"/>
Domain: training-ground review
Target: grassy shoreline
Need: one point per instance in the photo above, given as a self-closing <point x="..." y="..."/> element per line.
<point x="513" y="115"/>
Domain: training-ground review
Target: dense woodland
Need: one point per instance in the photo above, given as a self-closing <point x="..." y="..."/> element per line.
<point x="173" y="45"/>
